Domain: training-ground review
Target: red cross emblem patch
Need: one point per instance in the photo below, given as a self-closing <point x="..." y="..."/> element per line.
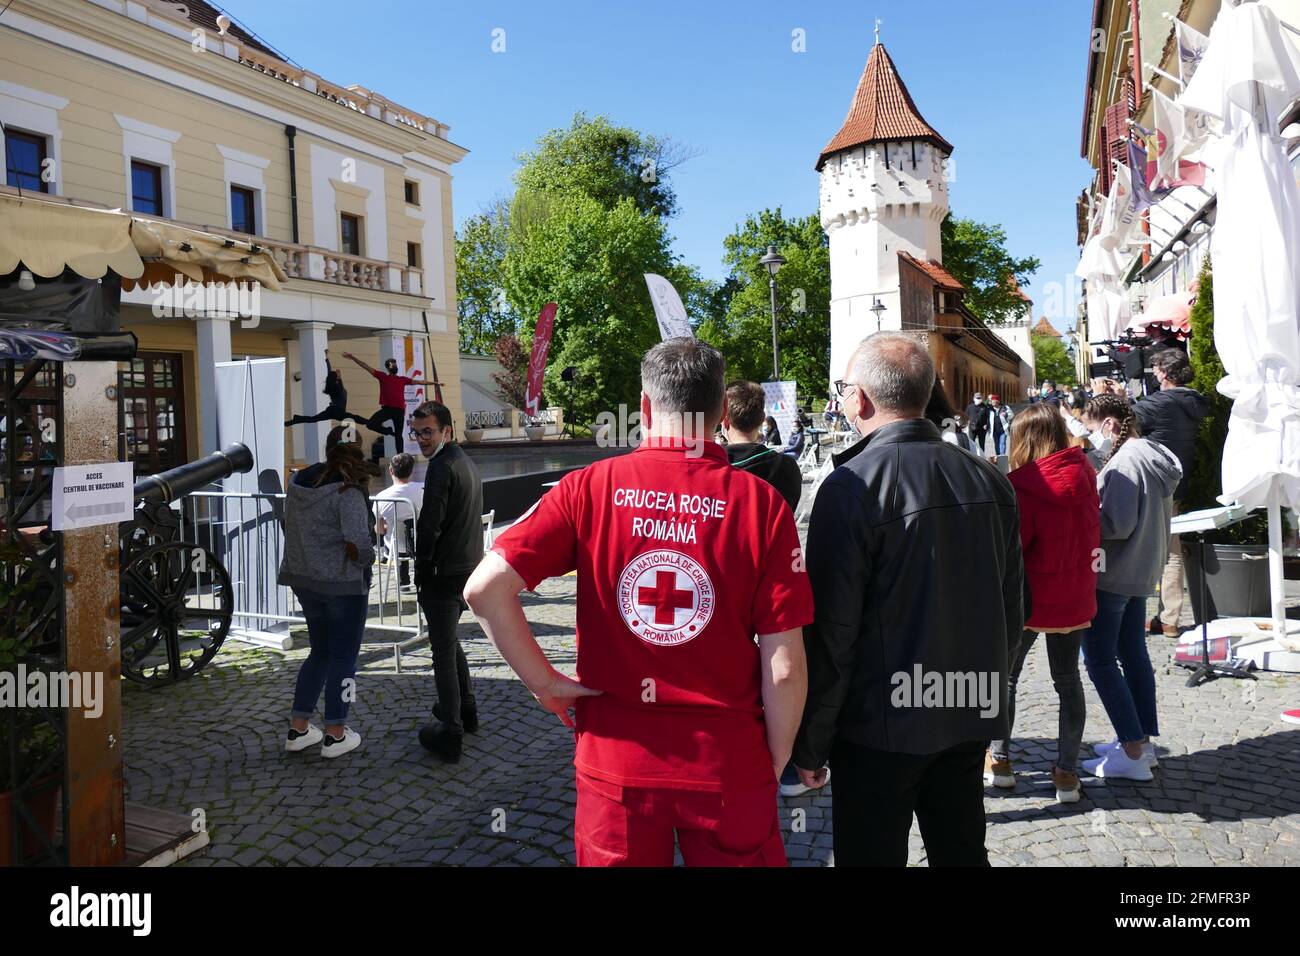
<point x="665" y="597"/>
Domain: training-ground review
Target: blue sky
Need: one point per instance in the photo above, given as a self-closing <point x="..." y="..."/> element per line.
<point x="1000" y="79"/>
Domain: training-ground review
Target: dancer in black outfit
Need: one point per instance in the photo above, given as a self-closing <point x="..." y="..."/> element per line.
<point x="336" y="410"/>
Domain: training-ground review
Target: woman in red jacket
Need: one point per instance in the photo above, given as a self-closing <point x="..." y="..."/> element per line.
<point x="1060" y="532"/>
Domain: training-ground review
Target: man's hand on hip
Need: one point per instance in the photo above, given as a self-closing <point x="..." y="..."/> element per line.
<point x="560" y="696"/>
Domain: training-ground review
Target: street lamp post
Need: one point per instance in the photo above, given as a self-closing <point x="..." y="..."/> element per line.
<point x="878" y="308"/>
<point x="773" y="261"/>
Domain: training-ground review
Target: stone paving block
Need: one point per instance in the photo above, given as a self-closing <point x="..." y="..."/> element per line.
<point x="1227" y="791"/>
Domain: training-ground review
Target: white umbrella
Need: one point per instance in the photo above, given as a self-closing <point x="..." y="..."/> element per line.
<point x="1249" y="73"/>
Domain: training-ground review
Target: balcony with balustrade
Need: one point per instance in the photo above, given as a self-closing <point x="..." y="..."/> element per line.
<point x="299" y="261"/>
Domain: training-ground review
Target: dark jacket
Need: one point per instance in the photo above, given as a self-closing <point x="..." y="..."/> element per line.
<point x="449" y="532"/>
<point x="1172" y="418"/>
<point x="778" y="470"/>
<point x="1060" y="532"/>
<point x="794" y="444"/>
<point x="977" y="417"/>
<point x="914" y="558"/>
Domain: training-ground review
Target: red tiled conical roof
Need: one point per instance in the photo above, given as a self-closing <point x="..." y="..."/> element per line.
<point x="1045" y="328"/>
<point x="882" y="109"/>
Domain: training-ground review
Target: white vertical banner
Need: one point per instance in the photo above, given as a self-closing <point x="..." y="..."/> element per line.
<point x="411" y="364"/>
<point x="247" y="534"/>
<point x="669" y="311"/>
<point x="781" y="404"/>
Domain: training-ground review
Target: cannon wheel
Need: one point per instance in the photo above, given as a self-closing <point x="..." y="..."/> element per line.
<point x="171" y="626"/>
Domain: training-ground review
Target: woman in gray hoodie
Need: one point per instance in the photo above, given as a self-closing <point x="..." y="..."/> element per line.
<point x="1136" y="486"/>
<point x="328" y="551"/>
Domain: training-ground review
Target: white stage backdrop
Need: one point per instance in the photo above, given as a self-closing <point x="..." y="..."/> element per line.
<point x="250" y="409"/>
<point x="781" y="405"/>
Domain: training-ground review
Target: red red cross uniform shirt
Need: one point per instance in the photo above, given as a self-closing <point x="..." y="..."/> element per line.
<point x="681" y="560"/>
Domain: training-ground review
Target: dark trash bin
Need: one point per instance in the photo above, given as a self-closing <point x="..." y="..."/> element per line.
<point x="1237" y="581"/>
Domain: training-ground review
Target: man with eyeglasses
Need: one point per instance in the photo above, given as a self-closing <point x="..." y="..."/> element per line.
<point x="916" y="570"/>
<point x="448" y="546"/>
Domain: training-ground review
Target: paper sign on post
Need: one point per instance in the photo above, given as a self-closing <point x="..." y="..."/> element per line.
<point x="89" y="495"/>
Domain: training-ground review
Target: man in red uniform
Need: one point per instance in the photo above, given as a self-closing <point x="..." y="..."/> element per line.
<point x="684" y="722"/>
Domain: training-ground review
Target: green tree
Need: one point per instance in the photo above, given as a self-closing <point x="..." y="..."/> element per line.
<point x="590" y="261"/>
<point x="976" y="254"/>
<point x="739" y="312"/>
<point x="1051" y="360"/>
<point x="586" y="221"/>
<point x="482" y="310"/>
<point x="608" y="163"/>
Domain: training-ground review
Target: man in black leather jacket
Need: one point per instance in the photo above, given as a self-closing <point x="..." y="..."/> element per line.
<point x="915" y="561"/>
<point x="448" y="547"/>
<point x="1172" y="416"/>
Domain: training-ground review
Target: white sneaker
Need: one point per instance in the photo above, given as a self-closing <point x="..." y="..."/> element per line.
<point x="338" y="746"/>
<point x="302" y="739"/>
<point x="1148" y="751"/>
<point x="1119" y="765"/>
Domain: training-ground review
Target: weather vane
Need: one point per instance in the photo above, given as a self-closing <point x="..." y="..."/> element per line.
<point x="878" y="22"/>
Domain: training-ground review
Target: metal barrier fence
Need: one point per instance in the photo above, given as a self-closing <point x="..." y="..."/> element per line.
<point x="245" y="531"/>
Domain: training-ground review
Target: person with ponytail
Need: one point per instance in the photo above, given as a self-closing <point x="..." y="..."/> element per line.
<point x="1056" y="493"/>
<point x="328" y="551"/>
<point x="1136" y="486"/>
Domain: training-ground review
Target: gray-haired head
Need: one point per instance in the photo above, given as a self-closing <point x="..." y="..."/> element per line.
<point x="895" y="371"/>
<point x="684" y="375"/>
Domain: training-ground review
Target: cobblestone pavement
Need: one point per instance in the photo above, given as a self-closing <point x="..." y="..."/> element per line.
<point x="1227" y="790"/>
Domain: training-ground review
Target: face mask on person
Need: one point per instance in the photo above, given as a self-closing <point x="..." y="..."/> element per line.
<point x="1100" y="440"/>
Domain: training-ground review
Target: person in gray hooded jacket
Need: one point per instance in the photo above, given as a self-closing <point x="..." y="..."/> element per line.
<point x="328" y="550"/>
<point x="1136" y="486"/>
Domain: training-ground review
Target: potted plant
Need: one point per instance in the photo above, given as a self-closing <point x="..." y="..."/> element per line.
<point x="1236" y="556"/>
<point x="37" y="743"/>
<point x="473" y="435"/>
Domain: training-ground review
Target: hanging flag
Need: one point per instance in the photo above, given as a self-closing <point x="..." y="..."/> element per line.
<point x="1191" y="47"/>
<point x="1179" y="132"/>
<point x="669" y="311"/>
<point x="1121" y="217"/>
<point x="1144" y="197"/>
<point x="537" y="362"/>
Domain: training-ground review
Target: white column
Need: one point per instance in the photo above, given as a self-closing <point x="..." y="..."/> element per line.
<point x="390" y="347"/>
<point x="213" y="345"/>
<point x="313" y="340"/>
<point x="295" y="395"/>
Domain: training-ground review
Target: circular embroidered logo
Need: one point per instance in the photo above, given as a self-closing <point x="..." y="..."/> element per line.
<point x="665" y="597"/>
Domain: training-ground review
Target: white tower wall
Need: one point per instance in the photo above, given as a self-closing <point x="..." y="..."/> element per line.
<point x="878" y="200"/>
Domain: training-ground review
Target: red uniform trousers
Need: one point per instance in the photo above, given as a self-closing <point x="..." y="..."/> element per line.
<point x="633" y="826"/>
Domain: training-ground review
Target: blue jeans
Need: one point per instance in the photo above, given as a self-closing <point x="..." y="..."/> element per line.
<point x="335" y="623"/>
<point x="1118" y="638"/>
<point x="1001" y="441"/>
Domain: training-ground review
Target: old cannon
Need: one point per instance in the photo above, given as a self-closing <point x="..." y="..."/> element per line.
<point x="177" y="602"/>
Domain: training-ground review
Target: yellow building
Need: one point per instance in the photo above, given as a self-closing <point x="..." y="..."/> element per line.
<point x="170" y="110"/>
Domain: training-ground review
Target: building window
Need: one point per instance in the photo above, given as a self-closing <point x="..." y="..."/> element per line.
<point x="413" y="255"/>
<point x="412" y="193"/>
<point x="146" y="188"/>
<point x="350" y="234"/>
<point x="153" y="412"/>
<point x="25" y="161"/>
<point x="243" y="210"/>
